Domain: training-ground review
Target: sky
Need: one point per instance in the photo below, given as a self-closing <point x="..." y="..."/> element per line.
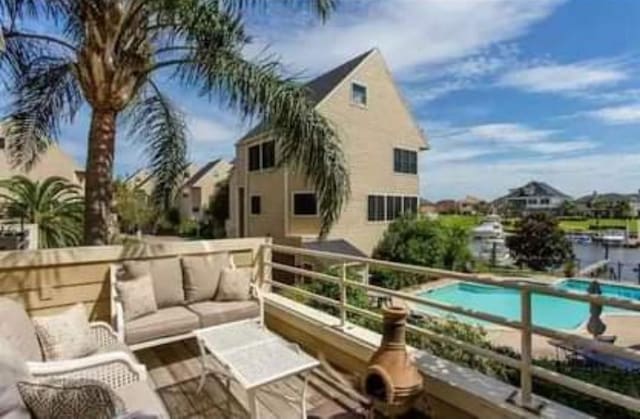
<point x="507" y="91"/>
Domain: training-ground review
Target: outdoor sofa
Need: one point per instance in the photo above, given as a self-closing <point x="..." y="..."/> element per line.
<point x="190" y="292"/>
<point x="111" y="363"/>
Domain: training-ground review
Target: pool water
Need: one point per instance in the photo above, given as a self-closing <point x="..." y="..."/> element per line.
<point x="548" y="311"/>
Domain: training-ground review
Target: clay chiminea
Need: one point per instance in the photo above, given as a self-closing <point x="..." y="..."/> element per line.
<point x="392" y="379"/>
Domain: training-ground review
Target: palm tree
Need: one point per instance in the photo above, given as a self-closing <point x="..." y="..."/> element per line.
<point x="110" y="54"/>
<point x="54" y="204"/>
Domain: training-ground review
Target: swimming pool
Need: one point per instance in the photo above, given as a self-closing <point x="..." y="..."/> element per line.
<point x="548" y="311"/>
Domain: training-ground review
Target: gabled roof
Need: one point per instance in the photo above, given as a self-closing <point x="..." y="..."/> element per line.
<point x="201" y="172"/>
<point x="321" y="86"/>
<point x="340" y="246"/>
<point x="538" y="189"/>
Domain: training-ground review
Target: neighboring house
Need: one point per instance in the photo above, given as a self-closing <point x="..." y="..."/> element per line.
<point x="198" y="191"/>
<point x="381" y="142"/>
<point x="610" y="203"/>
<point x="533" y="197"/>
<point x="446" y="206"/>
<point x="53" y="162"/>
<point x="427" y="207"/>
<point x="469" y="205"/>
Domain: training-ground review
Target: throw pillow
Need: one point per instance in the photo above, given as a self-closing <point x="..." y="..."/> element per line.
<point x="166" y="275"/>
<point x="202" y="276"/>
<point x="66" y="335"/>
<point x="137" y="297"/>
<point x="13" y="368"/>
<point x="235" y="284"/>
<point x="70" y="398"/>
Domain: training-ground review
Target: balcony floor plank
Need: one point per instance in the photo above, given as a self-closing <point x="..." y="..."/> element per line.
<point x="175" y="371"/>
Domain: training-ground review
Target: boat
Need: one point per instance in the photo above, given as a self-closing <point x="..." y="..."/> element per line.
<point x="583" y="239"/>
<point x="613" y="237"/>
<point x="488" y="241"/>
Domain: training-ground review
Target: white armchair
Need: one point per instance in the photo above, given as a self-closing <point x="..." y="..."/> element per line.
<point x="114" y="368"/>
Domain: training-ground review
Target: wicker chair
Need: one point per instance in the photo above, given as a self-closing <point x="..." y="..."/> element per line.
<point x="112" y="364"/>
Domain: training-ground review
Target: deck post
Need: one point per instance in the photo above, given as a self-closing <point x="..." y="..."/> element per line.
<point x="343" y="296"/>
<point x="525" y="342"/>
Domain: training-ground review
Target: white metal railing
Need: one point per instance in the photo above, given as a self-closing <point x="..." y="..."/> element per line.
<point x="525" y="325"/>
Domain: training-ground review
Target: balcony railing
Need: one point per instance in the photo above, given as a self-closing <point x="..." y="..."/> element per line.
<point x="525" y="288"/>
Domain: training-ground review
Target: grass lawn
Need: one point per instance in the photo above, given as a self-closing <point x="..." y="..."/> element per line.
<point x="466" y="221"/>
<point x="583" y="225"/>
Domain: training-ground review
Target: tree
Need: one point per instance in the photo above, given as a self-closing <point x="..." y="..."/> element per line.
<point x="133" y="207"/>
<point x="111" y="54"/>
<point x="218" y="211"/>
<point x="539" y="243"/>
<point x="420" y="241"/>
<point x="568" y="208"/>
<point x="54" y="204"/>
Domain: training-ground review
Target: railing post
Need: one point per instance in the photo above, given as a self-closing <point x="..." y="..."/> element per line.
<point x="525" y="342"/>
<point x="343" y="296"/>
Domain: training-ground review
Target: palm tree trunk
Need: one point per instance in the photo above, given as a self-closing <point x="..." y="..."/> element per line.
<point x="99" y="174"/>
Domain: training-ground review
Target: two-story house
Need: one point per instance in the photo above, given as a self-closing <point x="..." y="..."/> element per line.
<point x="534" y="197"/>
<point x="381" y="141"/>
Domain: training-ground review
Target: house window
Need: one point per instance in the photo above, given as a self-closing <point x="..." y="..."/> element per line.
<point x="410" y="205"/>
<point x="195" y="209"/>
<point x="532" y="201"/>
<point x="394" y="207"/>
<point x="268" y="154"/>
<point x="544" y="201"/>
<point x="262" y="156"/>
<point x="305" y="203"/>
<point x="2" y="143"/>
<point x="254" y="158"/>
<point x="359" y="94"/>
<point x="405" y="161"/>
<point x="256" y="205"/>
<point x="375" y="208"/>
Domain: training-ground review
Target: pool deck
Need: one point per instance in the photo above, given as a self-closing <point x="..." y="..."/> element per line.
<point x="625" y="327"/>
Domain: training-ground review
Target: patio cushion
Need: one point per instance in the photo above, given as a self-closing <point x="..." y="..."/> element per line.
<point x="19" y="332"/>
<point x="13" y="369"/>
<point x="202" y="275"/>
<point x="140" y="398"/>
<point x="212" y="313"/>
<point x="137" y="296"/>
<point x="164" y="322"/>
<point x="235" y="284"/>
<point x="166" y="275"/>
<point x="66" y="335"/>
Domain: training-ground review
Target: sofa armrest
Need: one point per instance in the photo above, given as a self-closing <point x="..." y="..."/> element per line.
<point x="256" y="293"/>
<point x="117" y="311"/>
<point x="102" y="334"/>
<point x="116" y="369"/>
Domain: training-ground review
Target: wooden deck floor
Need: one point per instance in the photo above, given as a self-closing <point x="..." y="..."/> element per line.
<point x="175" y="371"/>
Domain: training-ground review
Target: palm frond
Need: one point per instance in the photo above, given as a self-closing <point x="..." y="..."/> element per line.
<point x="47" y="95"/>
<point x="54" y="204"/>
<point x="154" y="121"/>
<point x="322" y="8"/>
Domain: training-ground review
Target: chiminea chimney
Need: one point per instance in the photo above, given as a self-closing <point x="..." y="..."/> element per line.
<point x="392" y="379"/>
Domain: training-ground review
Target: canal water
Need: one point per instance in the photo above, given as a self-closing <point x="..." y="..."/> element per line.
<point x="623" y="261"/>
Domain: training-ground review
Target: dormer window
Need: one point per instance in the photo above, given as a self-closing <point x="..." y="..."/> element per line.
<point x="359" y="94"/>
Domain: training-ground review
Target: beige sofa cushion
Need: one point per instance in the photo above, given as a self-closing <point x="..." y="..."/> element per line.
<point x="140" y="398"/>
<point x="235" y="284"/>
<point x="212" y="313"/>
<point x="166" y="275"/>
<point x="202" y="275"/>
<point x="13" y="369"/>
<point x="164" y="322"/>
<point x="19" y="332"/>
<point x="137" y="296"/>
<point x="66" y="335"/>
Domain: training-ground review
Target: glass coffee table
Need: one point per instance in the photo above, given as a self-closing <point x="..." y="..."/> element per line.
<point x="254" y="357"/>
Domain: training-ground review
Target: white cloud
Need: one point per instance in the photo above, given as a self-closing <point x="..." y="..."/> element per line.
<point x="575" y="175"/>
<point x="509" y="133"/>
<point x="564" y="78"/>
<point x="618" y="115"/>
<point x="410" y="33"/>
<point x="214" y="130"/>
<point x="561" y="147"/>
